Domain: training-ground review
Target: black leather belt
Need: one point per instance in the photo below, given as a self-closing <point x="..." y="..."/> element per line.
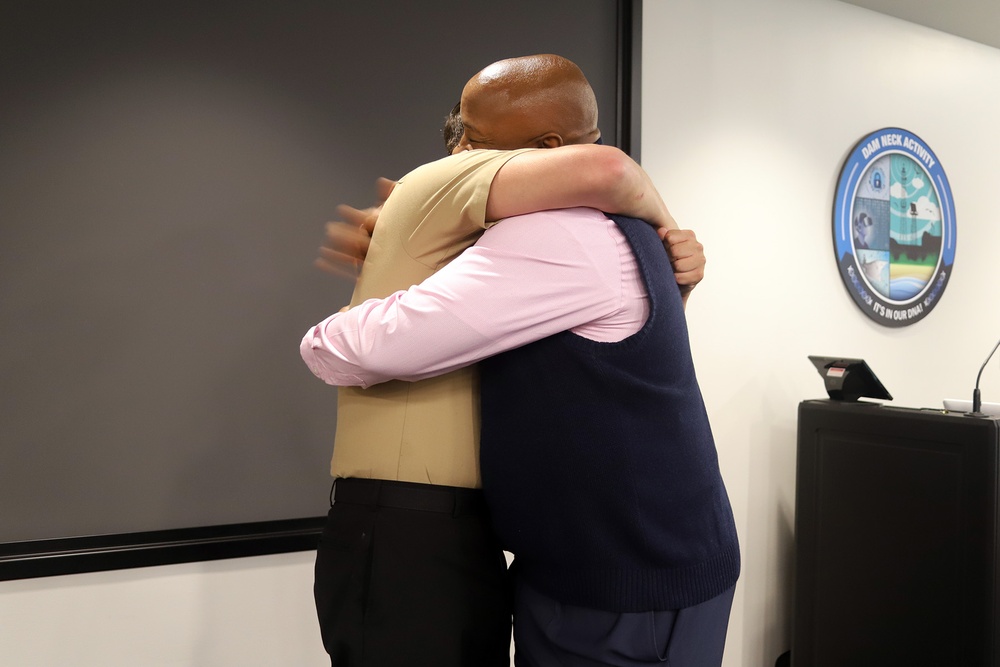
<point x="375" y="493"/>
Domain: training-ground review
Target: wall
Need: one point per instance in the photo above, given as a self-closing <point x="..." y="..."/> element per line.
<point x="749" y="110"/>
<point x="253" y="612"/>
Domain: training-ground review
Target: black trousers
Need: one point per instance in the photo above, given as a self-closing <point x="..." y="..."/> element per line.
<point x="411" y="587"/>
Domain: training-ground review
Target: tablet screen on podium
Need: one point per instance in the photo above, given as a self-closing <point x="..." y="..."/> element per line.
<point x="849" y="379"/>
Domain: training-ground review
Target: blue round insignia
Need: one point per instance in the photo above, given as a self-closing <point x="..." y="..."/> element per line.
<point x="894" y="227"/>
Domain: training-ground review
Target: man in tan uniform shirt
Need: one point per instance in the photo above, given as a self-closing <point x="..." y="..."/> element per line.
<point x="408" y="571"/>
<point x="424" y="432"/>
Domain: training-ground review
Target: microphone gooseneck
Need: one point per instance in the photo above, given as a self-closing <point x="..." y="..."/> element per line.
<point x="977" y="402"/>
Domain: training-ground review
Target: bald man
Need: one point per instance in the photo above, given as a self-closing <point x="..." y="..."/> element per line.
<point x="408" y="571"/>
<point x="598" y="462"/>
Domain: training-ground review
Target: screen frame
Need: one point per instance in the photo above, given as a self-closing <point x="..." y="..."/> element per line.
<point x="94" y="553"/>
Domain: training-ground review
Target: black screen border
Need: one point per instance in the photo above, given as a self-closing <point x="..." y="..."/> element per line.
<point x="96" y="553"/>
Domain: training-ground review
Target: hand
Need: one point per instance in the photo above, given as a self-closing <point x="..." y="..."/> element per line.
<point x="347" y="240"/>
<point x="687" y="257"/>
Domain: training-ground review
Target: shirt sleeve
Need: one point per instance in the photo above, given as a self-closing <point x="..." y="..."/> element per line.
<point x="449" y="196"/>
<point x="531" y="277"/>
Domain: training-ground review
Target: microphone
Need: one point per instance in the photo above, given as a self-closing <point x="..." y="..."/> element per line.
<point x="977" y="401"/>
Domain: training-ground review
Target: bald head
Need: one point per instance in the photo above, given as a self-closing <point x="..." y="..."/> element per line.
<point x="533" y="101"/>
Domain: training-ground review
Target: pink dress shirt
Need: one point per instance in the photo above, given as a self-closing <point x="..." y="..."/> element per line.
<point x="526" y="278"/>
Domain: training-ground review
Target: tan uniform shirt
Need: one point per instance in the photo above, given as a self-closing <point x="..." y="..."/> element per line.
<point x="425" y="431"/>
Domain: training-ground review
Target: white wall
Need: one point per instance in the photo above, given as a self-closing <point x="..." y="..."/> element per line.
<point x="750" y="108"/>
<point x="253" y="612"/>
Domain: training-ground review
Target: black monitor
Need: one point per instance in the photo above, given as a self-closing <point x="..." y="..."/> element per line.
<point x="849" y="379"/>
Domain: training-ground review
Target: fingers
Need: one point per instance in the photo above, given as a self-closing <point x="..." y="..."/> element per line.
<point x="384" y="186"/>
<point x="344" y="249"/>
<point x="687" y="255"/>
<point x="689" y="280"/>
<point x="360" y="218"/>
<point x="339" y="264"/>
<point x="347" y="240"/>
<point x="677" y="237"/>
<point x="341" y="270"/>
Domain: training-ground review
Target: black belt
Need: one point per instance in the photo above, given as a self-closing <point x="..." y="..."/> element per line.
<point x="374" y="493"/>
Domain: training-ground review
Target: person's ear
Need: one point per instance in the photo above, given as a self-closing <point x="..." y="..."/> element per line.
<point x="550" y="140"/>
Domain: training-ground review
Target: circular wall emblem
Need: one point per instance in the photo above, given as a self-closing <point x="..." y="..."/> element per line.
<point x="894" y="227"/>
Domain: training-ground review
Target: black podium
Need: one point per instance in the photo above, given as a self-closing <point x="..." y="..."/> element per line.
<point x="896" y="535"/>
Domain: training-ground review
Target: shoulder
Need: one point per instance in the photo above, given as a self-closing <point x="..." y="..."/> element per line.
<point x="552" y="220"/>
<point x="559" y="217"/>
<point x="554" y="233"/>
<point x="462" y="166"/>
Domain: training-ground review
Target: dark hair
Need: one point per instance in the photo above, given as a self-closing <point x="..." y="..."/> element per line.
<point x="453" y="128"/>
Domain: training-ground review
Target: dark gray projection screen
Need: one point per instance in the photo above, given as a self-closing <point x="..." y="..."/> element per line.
<point x="166" y="169"/>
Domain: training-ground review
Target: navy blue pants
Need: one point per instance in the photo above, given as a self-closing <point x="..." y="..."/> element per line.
<point x="550" y="634"/>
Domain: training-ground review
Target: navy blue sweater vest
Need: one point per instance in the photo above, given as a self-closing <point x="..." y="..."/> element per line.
<point x="599" y="465"/>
